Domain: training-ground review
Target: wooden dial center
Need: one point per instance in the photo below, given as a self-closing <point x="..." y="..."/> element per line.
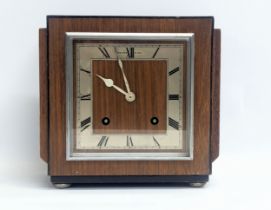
<point x="147" y="80"/>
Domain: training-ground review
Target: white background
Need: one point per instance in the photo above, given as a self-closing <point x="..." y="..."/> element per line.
<point x="241" y="175"/>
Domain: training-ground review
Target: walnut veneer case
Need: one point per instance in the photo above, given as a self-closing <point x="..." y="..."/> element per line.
<point x="129" y="99"/>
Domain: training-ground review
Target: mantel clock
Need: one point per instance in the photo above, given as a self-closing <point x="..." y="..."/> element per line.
<point x="129" y="99"/>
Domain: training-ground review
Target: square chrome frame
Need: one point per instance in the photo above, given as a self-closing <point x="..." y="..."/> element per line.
<point x="187" y="37"/>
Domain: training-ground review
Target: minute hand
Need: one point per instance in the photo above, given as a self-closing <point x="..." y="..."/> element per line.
<point x="124" y="77"/>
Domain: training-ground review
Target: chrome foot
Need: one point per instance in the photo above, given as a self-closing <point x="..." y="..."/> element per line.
<point x="61" y="186"/>
<point x="197" y="184"/>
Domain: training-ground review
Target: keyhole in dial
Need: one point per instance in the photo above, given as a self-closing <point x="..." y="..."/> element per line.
<point x="105" y="121"/>
<point x="154" y="120"/>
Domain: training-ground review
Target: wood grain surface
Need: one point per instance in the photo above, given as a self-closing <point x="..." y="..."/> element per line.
<point x="215" y="125"/>
<point x="43" y="77"/>
<point x="203" y="29"/>
<point x="147" y="79"/>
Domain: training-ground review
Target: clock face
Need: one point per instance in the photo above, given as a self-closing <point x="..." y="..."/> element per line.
<point x="129" y="99"/>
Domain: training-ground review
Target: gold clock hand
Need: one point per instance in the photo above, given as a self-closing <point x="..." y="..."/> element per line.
<point x="124" y="76"/>
<point x="110" y="83"/>
<point x="130" y="96"/>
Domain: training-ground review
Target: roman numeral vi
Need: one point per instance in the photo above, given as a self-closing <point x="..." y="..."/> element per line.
<point x="129" y="141"/>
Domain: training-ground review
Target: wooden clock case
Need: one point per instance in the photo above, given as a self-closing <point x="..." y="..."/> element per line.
<point x="53" y="113"/>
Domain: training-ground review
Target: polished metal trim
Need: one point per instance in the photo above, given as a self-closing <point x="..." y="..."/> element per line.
<point x="62" y="185"/>
<point x="188" y="37"/>
<point x="190" y="94"/>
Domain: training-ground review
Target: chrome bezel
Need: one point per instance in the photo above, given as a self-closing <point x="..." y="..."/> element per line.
<point x="187" y="37"/>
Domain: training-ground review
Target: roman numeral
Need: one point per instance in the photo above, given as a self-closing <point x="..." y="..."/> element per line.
<point x="103" y="141"/>
<point x="173" y="97"/>
<point x="84" y="70"/>
<point x="173" y="123"/>
<point x="85" y="97"/>
<point x="156" y="51"/>
<point x="156" y="142"/>
<point x="104" y="52"/>
<point x="130" y="52"/>
<point x="129" y="142"/>
<point x="85" y="123"/>
<point x="173" y="71"/>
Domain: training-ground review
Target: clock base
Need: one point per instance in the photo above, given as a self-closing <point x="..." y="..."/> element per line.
<point x="182" y="179"/>
<point x="62" y="185"/>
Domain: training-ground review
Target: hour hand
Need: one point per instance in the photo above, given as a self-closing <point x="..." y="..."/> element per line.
<point x="110" y="83"/>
